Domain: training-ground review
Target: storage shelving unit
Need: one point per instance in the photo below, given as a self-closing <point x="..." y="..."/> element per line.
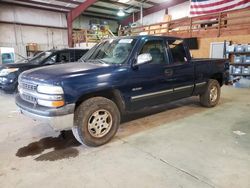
<point x="244" y="55"/>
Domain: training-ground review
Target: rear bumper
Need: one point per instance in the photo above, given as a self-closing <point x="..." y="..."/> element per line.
<point x="58" y="118"/>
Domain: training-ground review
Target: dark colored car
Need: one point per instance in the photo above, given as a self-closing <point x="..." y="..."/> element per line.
<point x="115" y="77"/>
<point x="9" y="73"/>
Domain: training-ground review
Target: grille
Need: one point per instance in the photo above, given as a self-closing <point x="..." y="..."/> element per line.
<point x="28" y="98"/>
<point x="25" y="89"/>
<point x="28" y="86"/>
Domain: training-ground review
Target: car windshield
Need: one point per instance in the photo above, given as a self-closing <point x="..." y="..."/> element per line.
<point x="40" y="57"/>
<point x="112" y="51"/>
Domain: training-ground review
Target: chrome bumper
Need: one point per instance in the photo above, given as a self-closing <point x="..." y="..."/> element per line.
<point x="58" y="123"/>
<point x="58" y="118"/>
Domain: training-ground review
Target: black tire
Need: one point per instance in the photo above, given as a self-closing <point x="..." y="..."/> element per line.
<point x="84" y="119"/>
<point x="208" y="100"/>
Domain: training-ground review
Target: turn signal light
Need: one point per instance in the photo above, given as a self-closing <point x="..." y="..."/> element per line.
<point x="57" y="103"/>
<point x="50" y="103"/>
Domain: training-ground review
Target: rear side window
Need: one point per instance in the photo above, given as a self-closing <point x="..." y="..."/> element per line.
<point x="177" y="51"/>
<point x="79" y="54"/>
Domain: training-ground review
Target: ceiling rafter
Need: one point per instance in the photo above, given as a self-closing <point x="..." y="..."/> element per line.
<point x="104" y="8"/>
<point x="148" y="2"/>
<point x="69" y="1"/>
<point x="153" y="9"/>
<point x="100" y="14"/>
<point x="34" y="6"/>
<point x="119" y="4"/>
<point x="44" y="4"/>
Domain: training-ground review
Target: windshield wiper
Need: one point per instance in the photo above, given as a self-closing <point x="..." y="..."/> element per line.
<point x="97" y="60"/>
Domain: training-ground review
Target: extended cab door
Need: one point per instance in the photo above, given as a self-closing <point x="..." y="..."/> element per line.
<point x="147" y="84"/>
<point x="180" y="71"/>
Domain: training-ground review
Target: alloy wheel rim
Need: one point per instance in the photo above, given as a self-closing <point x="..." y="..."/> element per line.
<point x="100" y="123"/>
<point x="213" y="94"/>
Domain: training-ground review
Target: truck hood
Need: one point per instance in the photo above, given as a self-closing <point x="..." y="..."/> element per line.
<point x="54" y="74"/>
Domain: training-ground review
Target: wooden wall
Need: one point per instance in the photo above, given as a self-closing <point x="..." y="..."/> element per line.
<point x="204" y="44"/>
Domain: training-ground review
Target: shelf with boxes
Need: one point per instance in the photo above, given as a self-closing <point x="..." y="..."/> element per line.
<point x="239" y="55"/>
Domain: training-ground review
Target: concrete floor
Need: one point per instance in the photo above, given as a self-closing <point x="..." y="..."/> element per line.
<point x="184" y="145"/>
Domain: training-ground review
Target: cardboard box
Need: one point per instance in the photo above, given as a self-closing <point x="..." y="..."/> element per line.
<point x="33" y="47"/>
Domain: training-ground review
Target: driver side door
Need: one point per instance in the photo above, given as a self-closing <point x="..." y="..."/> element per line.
<point x="147" y="84"/>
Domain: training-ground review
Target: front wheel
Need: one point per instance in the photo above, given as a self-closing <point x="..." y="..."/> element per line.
<point x="211" y="96"/>
<point x="96" y="121"/>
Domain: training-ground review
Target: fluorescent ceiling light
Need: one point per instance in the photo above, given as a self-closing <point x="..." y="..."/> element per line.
<point x="120" y="13"/>
<point x="123" y="1"/>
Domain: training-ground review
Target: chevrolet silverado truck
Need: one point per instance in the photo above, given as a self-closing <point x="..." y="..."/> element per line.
<point x="115" y="77"/>
<point x="9" y="72"/>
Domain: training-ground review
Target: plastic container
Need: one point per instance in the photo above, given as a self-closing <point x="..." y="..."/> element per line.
<point x="247" y="59"/>
<point x="237" y="70"/>
<point x="247" y="48"/>
<point x="240" y="48"/>
<point x="238" y="59"/>
<point x="231" y="68"/>
<point x="245" y="70"/>
<point x="230" y="48"/>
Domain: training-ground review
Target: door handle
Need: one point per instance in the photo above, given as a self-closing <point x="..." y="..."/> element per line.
<point x="168" y="72"/>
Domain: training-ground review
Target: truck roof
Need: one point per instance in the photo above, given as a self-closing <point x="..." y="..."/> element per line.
<point x="57" y="50"/>
<point x="150" y="36"/>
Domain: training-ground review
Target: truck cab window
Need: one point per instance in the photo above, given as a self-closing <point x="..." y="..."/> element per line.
<point x="156" y="49"/>
<point x="63" y="57"/>
<point x="51" y="60"/>
<point x="178" y="51"/>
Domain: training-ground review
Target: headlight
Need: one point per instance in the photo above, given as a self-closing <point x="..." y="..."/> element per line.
<point x="47" y="89"/>
<point x="5" y="72"/>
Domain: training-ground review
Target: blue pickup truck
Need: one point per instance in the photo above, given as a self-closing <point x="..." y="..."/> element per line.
<point x="117" y="76"/>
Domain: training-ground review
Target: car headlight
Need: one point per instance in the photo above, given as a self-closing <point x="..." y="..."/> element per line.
<point x="47" y="89"/>
<point x="5" y="72"/>
<point x="50" y="96"/>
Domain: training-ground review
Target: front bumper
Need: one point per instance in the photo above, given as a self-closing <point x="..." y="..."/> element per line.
<point x="58" y="118"/>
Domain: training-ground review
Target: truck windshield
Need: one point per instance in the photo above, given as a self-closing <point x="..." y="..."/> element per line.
<point x="40" y="57"/>
<point x="112" y="51"/>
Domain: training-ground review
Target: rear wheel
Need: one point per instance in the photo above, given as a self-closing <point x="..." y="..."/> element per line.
<point x="211" y="96"/>
<point x="96" y="121"/>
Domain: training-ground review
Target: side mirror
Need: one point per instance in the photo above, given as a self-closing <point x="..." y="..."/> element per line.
<point x="143" y="58"/>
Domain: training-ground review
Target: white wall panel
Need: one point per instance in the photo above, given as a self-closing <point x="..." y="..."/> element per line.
<point x="179" y="11"/>
<point x="6" y="13"/>
<point x="7" y="33"/>
<point x="153" y="18"/>
<point x="17" y="36"/>
<point x="32" y="16"/>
